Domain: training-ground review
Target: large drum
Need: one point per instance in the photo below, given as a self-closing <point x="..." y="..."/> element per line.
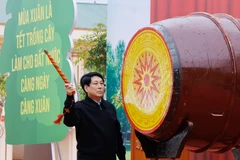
<point x="185" y="69"/>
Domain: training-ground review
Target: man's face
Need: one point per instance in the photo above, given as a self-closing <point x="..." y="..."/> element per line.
<point x="96" y="88"/>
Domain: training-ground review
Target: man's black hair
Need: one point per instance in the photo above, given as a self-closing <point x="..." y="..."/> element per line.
<point x="86" y="79"/>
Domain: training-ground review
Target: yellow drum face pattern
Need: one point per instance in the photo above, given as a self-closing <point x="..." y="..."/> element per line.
<point x="147" y="80"/>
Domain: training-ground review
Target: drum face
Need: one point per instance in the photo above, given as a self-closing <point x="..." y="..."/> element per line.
<point x="147" y="80"/>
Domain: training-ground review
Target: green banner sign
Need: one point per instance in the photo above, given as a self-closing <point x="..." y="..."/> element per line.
<point x="35" y="91"/>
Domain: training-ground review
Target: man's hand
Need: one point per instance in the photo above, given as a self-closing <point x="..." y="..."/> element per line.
<point x="70" y="90"/>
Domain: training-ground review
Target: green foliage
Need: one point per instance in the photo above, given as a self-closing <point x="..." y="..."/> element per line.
<point x="3" y="78"/>
<point x="93" y="49"/>
<point x="3" y="92"/>
<point x="82" y="94"/>
<point x="117" y="99"/>
<point x="114" y="67"/>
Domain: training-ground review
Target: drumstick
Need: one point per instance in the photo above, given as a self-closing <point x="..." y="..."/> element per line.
<point x="64" y="78"/>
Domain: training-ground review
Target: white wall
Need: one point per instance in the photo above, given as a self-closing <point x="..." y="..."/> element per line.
<point x="1" y="30"/>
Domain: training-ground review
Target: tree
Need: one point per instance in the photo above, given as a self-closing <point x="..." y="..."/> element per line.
<point x="3" y="92"/>
<point x="92" y="48"/>
<point x="114" y="66"/>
